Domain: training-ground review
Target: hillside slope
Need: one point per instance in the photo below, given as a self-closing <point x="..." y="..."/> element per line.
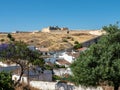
<point x="53" y="41"/>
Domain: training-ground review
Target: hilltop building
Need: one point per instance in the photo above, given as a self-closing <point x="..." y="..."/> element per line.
<point x="52" y="29"/>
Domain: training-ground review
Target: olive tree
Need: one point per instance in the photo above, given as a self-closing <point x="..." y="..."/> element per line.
<point x="101" y="62"/>
<point x="18" y="52"/>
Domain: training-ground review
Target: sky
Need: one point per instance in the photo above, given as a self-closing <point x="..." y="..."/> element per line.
<point x="31" y="15"/>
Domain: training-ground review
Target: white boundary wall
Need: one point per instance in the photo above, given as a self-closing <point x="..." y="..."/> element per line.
<point x="88" y="88"/>
<point x="6" y="65"/>
<point x="43" y="85"/>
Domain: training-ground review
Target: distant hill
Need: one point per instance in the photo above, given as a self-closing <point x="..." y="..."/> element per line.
<point x="53" y="40"/>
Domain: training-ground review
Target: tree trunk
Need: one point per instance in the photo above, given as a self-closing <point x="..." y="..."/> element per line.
<point x="21" y="73"/>
<point x="28" y="76"/>
<point x="116" y="86"/>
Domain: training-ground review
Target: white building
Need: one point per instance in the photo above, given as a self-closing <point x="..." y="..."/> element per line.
<point x="66" y="57"/>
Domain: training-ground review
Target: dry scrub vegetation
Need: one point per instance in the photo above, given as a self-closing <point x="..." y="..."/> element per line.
<point x="53" y="41"/>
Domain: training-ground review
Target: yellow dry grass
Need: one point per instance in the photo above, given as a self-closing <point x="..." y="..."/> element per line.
<point x="53" y="41"/>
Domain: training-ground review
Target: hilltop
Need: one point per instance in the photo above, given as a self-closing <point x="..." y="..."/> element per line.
<point x="53" y="40"/>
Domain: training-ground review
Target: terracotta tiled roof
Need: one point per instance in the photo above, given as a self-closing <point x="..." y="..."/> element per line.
<point x="82" y="49"/>
<point x="77" y="54"/>
<point x="49" y="63"/>
<point x="63" y="62"/>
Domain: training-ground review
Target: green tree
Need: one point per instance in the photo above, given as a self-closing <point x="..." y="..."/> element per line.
<point x="10" y="37"/>
<point x="101" y="62"/>
<point x="18" y="52"/>
<point x="6" y="82"/>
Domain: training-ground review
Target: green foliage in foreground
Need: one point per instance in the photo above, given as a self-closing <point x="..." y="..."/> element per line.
<point x="101" y="62"/>
<point x="18" y="52"/>
<point x="6" y="82"/>
<point x="55" y="77"/>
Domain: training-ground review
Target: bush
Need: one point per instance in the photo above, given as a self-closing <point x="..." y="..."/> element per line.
<point x="58" y="66"/>
<point x="62" y="66"/>
<point x="31" y="41"/>
<point x="9" y="36"/>
<point x="2" y="40"/>
<point x="6" y="82"/>
<point x="76" y="42"/>
<point x="64" y="40"/>
<point x="55" y="77"/>
<point x="12" y="39"/>
<point x="77" y="46"/>
<point x="47" y="67"/>
<point x="68" y="37"/>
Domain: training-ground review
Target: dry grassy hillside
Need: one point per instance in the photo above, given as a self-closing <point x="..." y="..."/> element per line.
<point x="53" y="41"/>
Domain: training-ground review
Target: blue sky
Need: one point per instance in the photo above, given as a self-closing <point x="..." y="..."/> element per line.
<point x="30" y="15"/>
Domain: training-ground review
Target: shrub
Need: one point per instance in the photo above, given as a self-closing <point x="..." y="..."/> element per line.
<point x="64" y="40"/>
<point x="12" y="39"/>
<point x="77" y="46"/>
<point x="58" y="66"/>
<point x="76" y="42"/>
<point x="9" y="36"/>
<point x="2" y="40"/>
<point x="47" y="67"/>
<point x="62" y="66"/>
<point x="55" y="77"/>
<point x="31" y="41"/>
<point x="6" y="82"/>
<point x="68" y="37"/>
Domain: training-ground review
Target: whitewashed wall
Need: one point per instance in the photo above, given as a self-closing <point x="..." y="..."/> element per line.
<point x="42" y="85"/>
<point x="52" y="86"/>
<point x="88" y="88"/>
<point x="6" y="65"/>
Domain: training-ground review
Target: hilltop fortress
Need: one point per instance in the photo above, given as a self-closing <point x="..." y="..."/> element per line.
<point x="53" y="29"/>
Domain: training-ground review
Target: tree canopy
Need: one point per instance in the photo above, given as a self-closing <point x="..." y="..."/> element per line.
<point x="18" y="52"/>
<point x="6" y="82"/>
<point x="101" y="62"/>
